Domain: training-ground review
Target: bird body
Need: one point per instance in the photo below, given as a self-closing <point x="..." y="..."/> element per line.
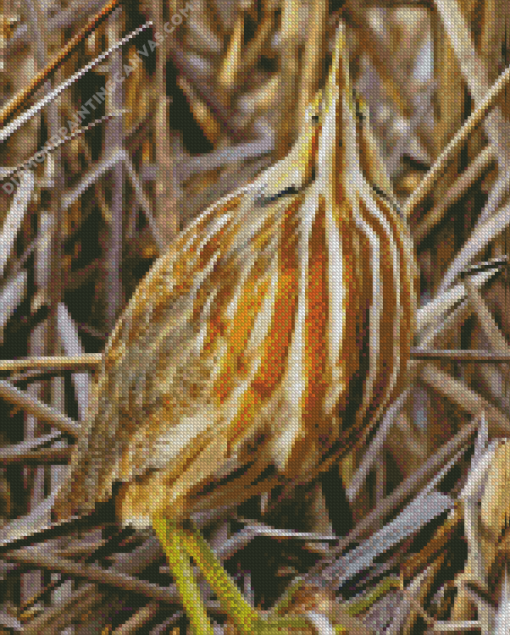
<point x="266" y="341"/>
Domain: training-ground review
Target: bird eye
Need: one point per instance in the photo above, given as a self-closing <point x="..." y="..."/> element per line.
<point x="315" y="118"/>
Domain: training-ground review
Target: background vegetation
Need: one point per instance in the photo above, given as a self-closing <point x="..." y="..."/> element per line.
<point x="220" y="99"/>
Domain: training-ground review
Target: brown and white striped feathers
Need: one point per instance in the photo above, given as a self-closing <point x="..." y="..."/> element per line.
<point x="268" y="339"/>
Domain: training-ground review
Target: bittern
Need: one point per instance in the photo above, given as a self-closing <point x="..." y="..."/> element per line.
<point x="260" y="348"/>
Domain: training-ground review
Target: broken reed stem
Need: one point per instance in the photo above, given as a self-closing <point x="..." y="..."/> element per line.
<point x="472" y="122"/>
<point x="21" y="98"/>
<point x="480" y="357"/>
<point x="473" y="172"/>
<point x="39" y="409"/>
<point x="46" y="559"/>
<point x="88" y="360"/>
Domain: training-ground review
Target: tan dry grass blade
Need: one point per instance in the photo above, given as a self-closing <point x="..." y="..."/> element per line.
<point x="474" y="120"/>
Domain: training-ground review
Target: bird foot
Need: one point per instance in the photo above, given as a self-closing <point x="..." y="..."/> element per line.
<point x="182" y="543"/>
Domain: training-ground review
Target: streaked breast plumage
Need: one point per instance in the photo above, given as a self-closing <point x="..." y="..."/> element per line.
<point x="269" y="338"/>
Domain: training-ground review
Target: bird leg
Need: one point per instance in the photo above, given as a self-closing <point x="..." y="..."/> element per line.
<point x="178" y="560"/>
<point x="180" y="543"/>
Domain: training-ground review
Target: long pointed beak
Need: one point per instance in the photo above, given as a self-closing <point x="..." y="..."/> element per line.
<point x="338" y="81"/>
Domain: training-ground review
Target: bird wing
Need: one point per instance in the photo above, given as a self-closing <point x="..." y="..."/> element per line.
<point x="166" y="364"/>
